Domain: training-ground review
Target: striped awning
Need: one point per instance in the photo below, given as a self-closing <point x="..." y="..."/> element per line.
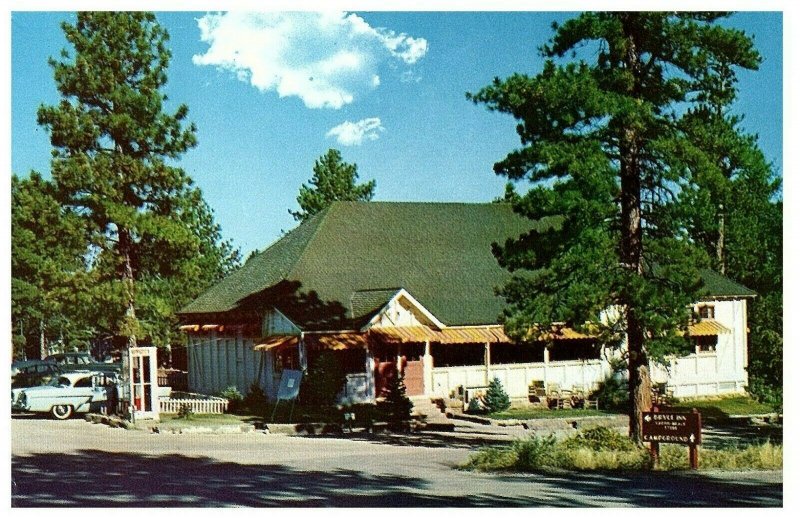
<point x="276" y="341"/>
<point x="464" y="335"/>
<point x="336" y="341"/>
<point x="707" y="327"/>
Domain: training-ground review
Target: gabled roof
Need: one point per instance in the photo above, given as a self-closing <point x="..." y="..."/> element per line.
<point x="348" y="260"/>
<point x="337" y="269"/>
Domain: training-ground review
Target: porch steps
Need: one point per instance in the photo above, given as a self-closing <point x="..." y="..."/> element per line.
<point x="427" y="411"/>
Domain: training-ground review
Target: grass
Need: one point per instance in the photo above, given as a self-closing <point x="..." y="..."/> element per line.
<point x="725" y="407"/>
<point x="532" y="413"/>
<point x="604" y="449"/>
<point x="205" y="420"/>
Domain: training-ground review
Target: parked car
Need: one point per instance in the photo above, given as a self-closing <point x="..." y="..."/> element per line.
<point x="31" y="373"/>
<point x="83" y="360"/>
<point x="72" y="392"/>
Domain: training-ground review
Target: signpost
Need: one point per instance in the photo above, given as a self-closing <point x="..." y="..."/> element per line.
<point x="672" y="426"/>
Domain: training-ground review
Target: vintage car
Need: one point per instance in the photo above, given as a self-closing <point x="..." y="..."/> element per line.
<point x="31" y="373"/>
<point x="73" y="392"/>
<point x="83" y="360"/>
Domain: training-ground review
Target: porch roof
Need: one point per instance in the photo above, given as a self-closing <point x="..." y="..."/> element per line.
<point x="276" y="341"/>
<point x="465" y="335"/>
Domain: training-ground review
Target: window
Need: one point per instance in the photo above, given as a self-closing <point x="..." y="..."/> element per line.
<point x="705" y="311"/>
<point x="706" y="344"/>
<point x="84" y="382"/>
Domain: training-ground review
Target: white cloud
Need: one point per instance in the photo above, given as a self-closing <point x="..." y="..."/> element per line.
<point x="325" y="59"/>
<point x="354" y="134"/>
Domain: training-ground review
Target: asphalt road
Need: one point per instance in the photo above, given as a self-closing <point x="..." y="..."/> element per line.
<point x="75" y="463"/>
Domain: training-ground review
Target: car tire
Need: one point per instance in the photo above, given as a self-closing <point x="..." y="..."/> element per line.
<point x="61" y="412"/>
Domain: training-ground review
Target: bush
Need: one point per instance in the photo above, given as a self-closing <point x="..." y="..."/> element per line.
<point x="476" y="406"/>
<point x="496" y="399"/>
<point x="600" y="438"/>
<point x="234" y="397"/>
<point x="612" y="393"/>
<point x="255" y="401"/>
<point x="185" y="412"/>
<point x="396" y="407"/>
<point x="323" y="381"/>
<point x="765" y="456"/>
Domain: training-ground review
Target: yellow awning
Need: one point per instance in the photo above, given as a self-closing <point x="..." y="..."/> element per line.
<point x="336" y="341"/>
<point x="276" y="341"/>
<point x="707" y="327"/>
<point x="464" y="335"/>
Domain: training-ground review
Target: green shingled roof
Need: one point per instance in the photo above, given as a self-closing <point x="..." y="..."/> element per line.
<point x="720" y="286"/>
<point x="341" y="266"/>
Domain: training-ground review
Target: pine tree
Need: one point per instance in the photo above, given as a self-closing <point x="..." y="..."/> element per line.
<point x="114" y="149"/>
<point x="604" y="149"/>
<point x="496" y="399"/>
<point x="333" y="180"/>
<point x="397" y="406"/>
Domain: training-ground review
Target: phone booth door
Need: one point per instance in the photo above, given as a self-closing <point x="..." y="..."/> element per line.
<point x="144" y="382"/>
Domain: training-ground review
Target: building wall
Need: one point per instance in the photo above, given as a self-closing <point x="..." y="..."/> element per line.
<point x="217" y="362"/>
<point x="723" y="371"/>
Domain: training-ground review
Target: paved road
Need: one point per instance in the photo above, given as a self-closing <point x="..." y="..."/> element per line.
<point x="75" y="463"/>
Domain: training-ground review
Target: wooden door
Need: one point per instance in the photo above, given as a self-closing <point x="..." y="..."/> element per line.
<point x="414" y="377"/>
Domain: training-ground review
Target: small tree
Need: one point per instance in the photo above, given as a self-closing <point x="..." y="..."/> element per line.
<point x="324" y="380"/>
<point x="397" y="406"/>
<point x="333" y="180"/>
<point x="496" y="398"/>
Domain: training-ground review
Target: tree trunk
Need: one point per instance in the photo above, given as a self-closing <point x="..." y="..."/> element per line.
<point x="631" y="246"/>
<point x="127" y="281"/>
<point x="721" y="241"/>
<point x="42" y="345"/>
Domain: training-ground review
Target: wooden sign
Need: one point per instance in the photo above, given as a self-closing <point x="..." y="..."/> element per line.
<point x="672" y="426"/>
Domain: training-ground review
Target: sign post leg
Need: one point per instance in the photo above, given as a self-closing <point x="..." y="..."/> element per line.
<point x="693" y="457"/>
<point x="654" y="453"/>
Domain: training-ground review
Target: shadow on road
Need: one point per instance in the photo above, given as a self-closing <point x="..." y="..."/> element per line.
<point x="96" y="478"/>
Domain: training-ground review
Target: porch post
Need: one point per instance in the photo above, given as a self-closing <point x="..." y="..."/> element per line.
<point x="487" y="360"/>
<point x="546" y="364"/>
<point x="427" y="370"/>
<point x="301" y="353"/>
<point x="370" y="367"/>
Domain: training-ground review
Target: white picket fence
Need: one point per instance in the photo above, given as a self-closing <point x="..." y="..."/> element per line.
<point x="200" y="404"/>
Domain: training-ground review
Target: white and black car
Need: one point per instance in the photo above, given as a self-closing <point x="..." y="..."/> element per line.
<point x="69" y="393"/>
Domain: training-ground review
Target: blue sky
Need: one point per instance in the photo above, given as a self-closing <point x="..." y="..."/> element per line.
<point x="270" y="94"/>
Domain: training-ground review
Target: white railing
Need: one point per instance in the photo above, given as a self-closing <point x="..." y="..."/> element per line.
<point x="517" y="377"/>
<point x="200" y="404"/>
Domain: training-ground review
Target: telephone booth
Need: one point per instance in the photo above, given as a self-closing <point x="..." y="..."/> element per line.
<point x="143" y="382"/>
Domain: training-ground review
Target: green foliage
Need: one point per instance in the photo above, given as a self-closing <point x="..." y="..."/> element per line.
<point x="496" y="399"/>
<point x="149" y="238"/>
<point x="333" y="180"/>
<point x="612" y="393"/>
<point x="765" y="456"/>
<point x="476" y="406"/>
<point x="396" y="407"/>
<point x="255" y="401"/>
<point x="599" y="438"/>
<point x="185" y="412"/>
<point x="604" y="147"/>
<point x="234" y="397"/>
<point x="324" y="380"/>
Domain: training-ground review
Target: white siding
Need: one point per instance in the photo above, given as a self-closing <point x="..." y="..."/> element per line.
<point x="218" y="362"/>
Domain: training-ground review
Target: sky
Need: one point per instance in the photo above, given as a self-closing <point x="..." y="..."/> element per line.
<point x="272" y="92"/>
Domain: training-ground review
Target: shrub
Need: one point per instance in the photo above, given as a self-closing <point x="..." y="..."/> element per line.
<point x="234" y="398"/>
<point x="255" y="401"/>
<point x="396" y="407"/>
<point x="476" y="406"/>
<point x="496" y="399"/>
<point x="324" y="380"/>
<point x="765" y="456"/>
<point x="185" y="412"/>
<point x="535" y="453"/>
<point x="612" y="393"/>
<point x="600" y="438"/>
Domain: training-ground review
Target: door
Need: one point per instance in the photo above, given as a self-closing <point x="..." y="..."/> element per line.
<point x="414" y="377"/>
<point x="385" y="373"/>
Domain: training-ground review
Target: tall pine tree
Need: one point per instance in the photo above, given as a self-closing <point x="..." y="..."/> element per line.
<point x="114" y="147"/>
<point x="603" y="148"/>
<point x="333" y="180"/>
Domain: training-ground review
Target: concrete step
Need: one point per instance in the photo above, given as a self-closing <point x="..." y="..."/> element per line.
<point x="428" y="412"/>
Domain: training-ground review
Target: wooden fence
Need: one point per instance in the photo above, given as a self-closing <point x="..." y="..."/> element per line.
<point x="200" y="404"/>
<point x="174" y="378"/>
